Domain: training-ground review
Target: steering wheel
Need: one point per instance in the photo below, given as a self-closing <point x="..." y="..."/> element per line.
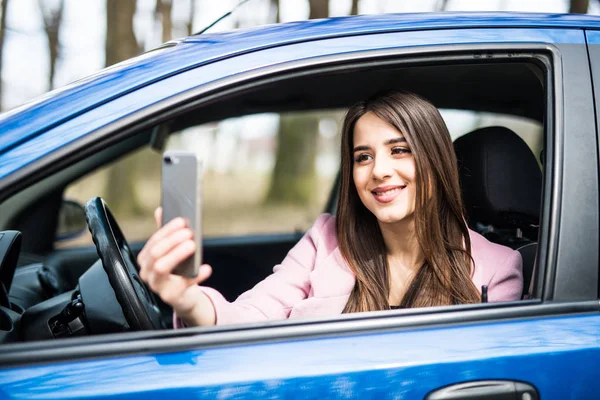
<point x="136" y="299"/>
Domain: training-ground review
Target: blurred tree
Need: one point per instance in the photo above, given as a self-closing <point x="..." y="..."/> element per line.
<point x="294" y="176"/>
<point x="3" y="8"/>
<point x="162" y="12"/>
<point x="120" y="45"/>
<point x="318" y="9"/>
<point x="190" y="22"/>
<point x="52" y="17"/>
<point x="354" y="8"/>
<point x="579" y="6"/>
<point x="276" y="18"/>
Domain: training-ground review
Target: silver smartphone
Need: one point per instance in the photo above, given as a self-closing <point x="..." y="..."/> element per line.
<point x="182" y="197"/>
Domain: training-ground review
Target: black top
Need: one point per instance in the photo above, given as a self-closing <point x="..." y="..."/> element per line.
<point x="395" y="307"/>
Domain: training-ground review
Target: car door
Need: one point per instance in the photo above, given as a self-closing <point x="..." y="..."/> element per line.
<point x="546" y="346"/>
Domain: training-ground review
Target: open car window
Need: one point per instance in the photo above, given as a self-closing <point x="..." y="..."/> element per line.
<point x="247" y="189"/>
<point x="271" y="160"/>
<point x="269" y="173"/>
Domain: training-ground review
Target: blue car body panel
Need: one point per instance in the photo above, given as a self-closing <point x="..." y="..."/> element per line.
<point x="404" y="364"/>
<point x="55" y="107"/>
<point x="38" y="146"/>
<point x="593" y="37"/>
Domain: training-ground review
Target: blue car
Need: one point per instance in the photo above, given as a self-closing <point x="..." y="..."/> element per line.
<point x="518" y="94"/>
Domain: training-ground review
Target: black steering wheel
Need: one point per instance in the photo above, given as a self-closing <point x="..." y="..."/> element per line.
<point x="136" y="299"/>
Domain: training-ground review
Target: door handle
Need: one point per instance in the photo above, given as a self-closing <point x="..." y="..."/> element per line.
<point x="488" y="390"/>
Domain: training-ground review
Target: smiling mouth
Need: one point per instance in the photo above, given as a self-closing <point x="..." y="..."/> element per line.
<point x="388" y="195"/>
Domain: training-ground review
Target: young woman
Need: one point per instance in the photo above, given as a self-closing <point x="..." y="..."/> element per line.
<point x="399" y="238"/>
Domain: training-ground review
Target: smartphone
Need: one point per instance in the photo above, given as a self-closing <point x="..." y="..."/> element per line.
<point x="182" y="197"/>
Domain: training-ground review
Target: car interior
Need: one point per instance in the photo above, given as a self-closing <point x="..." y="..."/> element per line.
<point x="51" y="293"/>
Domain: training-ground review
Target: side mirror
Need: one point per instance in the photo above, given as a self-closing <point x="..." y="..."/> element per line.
<point x="71" y="220"/>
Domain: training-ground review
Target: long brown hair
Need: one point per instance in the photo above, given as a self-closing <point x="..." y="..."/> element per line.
<point x="440" y="228"/>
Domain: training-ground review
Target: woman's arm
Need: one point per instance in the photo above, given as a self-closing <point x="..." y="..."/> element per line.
<point x="272" y="298"/>
<point x="507" y="282"/>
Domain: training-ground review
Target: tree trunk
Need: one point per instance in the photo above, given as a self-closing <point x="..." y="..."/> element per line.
<point x="274" y="12"/>
<point x="294" y="176"/>
<point x="121" y="44"/>
<point x="3" y="8"/>
<point x="190" y="22"/>
<point x="52" y="18"/>
<point x="164" y="9"/>
<point x="442" y="5"/>
<point x="318" y="9"/>
<point x="579" y="6"/>
<point x="354" y="8"/>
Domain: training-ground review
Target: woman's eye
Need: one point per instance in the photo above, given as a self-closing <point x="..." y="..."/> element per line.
<point x="362" y="157"/>
<point x="400" y="150"/>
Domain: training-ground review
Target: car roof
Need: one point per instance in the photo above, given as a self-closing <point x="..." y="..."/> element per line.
<point x="50" y="110"/>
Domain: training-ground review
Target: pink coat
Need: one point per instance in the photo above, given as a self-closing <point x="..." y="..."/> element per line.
<point x="313" y="280"/>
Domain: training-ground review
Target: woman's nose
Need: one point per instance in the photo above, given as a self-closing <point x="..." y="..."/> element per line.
<point x="382" y="168"/>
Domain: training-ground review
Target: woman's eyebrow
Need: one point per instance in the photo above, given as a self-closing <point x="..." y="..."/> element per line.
<point x="361" y="148"/>
<point x="400" y="139"/>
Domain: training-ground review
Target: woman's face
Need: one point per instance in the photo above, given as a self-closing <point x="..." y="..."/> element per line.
<point x="383" y="170"/>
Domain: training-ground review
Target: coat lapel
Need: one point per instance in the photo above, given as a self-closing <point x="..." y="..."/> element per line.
<point x="331" y="284"/>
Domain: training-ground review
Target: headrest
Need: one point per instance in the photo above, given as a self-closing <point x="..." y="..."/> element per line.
<point x="500" y="178"/>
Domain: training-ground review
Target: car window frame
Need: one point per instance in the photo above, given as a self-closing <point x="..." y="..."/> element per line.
<point x="593" y="44"/>
<point x="370" y="322"/>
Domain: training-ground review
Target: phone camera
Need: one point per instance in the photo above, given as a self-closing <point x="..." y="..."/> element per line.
<point x="168" y="160"/>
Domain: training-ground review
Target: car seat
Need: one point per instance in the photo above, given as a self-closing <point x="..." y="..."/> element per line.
<point x="501" y="184"/>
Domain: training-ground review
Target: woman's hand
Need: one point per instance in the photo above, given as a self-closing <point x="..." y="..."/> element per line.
<point x="166" y="249"/>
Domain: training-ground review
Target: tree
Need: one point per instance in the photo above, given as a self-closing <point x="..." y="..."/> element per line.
<point x="120" y="45"/>
<point x="276" y="18"/>
<point x="295" y="176"/>
<point x="3" y="9"/>
<point x="192" y="14"/>
<point x="52" y="17"/>
<point x="121" y="42"/>
<point x="163" y="11"/>
<point x="579" y="6"/>
<point x="442" y="5"/>
<point x="318" y="9"/>
<point x="354" y="8"/>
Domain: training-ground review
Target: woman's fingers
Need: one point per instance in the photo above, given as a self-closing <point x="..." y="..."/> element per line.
<point x="173" y="258"/>
<point x="166" y="249"/>
<point x="172" y="288"/>
<point x="168" y="243"/>
<point x="153" y="252"/>
<point x="204" y="272"/>
<point x="168" y="229"/>
<point x="158" y="217"/>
